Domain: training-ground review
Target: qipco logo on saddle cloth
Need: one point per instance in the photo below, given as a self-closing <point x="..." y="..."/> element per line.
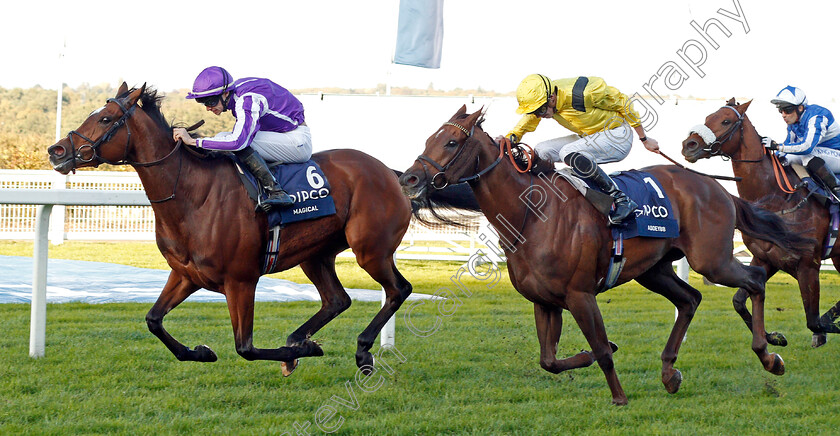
<point x="317" y="185"/>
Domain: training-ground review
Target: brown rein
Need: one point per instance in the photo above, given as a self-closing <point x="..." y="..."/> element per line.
<point x="735" y="179"/>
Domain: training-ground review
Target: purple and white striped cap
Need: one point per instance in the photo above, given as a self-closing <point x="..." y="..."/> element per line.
<point x="211" y="81"/>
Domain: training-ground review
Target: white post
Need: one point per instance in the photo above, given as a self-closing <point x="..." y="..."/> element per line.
<point x="682" y="269"/>
<point x="56" y="224"/>
<point x="389" y="331"/>
<point x="38" y="321"/>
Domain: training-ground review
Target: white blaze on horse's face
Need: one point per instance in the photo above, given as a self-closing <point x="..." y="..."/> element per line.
<point x="439" y="132"/>
<point x="96" y="111"/>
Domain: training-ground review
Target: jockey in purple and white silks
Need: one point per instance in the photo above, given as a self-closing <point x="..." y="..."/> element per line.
<point x="813" y="136"/>
<point x="269" y="125"/>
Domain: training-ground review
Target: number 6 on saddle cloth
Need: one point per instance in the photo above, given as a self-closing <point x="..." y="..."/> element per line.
<point x="305" y="183"/>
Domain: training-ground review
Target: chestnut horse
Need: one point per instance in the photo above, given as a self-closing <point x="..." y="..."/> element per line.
<point x="738" y="140"/>
<point x="560" y="257"/>
<point x="212" y="238"/>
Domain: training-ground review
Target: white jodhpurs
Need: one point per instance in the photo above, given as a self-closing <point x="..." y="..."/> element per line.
<point x="289" y="147"/>
<point x="829" y="155"/>
<point x="603" y="147"/>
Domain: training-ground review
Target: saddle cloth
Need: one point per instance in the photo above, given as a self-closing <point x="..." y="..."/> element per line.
<point x="305" y="183"/>
<point x="653" y="217"/>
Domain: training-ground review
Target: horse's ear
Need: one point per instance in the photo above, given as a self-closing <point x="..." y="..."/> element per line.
<point x="122" y="90"/>
<point x="473" y="118"/>
<point x="134" y="96"/>
<point x="461" y="112"/>
<point x="743" y="107"/>
<point x="731" y="102"/>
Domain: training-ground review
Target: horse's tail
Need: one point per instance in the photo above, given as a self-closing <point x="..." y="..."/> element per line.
<point x="765" y="225"/>
<point x="455" y="199"/>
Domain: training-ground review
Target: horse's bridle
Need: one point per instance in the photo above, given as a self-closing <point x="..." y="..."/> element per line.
<point x="423" y="159"/>
<point x="95" y="145"/>
<point x="714" y="147"/>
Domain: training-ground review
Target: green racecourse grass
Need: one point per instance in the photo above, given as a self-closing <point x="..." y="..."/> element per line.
<point x="478" y="374"/>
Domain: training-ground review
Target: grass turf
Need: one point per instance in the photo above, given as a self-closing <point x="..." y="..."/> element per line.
<point x="478" y="373"/>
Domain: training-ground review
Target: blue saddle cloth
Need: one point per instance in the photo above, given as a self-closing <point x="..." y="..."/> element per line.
<point x="305" y="183"/>
<point x="653" y="217"/>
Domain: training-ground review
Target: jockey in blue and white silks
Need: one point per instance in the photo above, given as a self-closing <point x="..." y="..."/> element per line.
<point x="813" y="136"/>
<point x="269" y="125"/>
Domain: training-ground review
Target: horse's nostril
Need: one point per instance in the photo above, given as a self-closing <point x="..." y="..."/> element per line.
<point x="56" y="150"/>
<point x="409" y="180"/>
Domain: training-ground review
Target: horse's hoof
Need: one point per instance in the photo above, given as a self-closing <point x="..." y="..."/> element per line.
<point x="818" y="340"/>
<point x="365" y="362"/>
<point x="777" y="339"/>
<point x="672" y="384"/>
<point x="621" y="401"/>
<point x="778" y="367"/>
<point x="203" y="353"/>
<point x="287" y="368"/>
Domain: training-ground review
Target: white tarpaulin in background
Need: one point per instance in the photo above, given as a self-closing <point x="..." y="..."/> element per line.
<point x="420" y="33"/>
<point x="96" y="282"/>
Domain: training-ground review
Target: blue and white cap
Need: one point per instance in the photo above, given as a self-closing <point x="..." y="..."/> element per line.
<point x="211" y="81"/>
<point x="790" y="96"/>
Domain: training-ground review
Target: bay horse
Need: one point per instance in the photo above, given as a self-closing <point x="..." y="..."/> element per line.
<point x="736" y="139"/>
<point x="561" y="255"/>
<point x="208" y="230"/>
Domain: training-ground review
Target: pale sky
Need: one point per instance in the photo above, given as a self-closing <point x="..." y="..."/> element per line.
<point x="492" y="44"/>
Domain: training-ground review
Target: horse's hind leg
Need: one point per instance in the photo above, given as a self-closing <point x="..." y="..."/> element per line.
<point x="176" y="290"/>
<point x="334" y="300"/>
<point x="584" y="308"/>
<point x="752" y="279"/>
<point x="739" y="301"/>
<point x="382" y="269"/>
<point x="809" y="289"/>
<point x="662" y="280"/>
<point x="549" y="320"/>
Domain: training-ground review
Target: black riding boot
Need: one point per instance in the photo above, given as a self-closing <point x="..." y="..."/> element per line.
<point x="816" y="167"/>
<point x="276" y="195"/>
<point x="588" y="169"/>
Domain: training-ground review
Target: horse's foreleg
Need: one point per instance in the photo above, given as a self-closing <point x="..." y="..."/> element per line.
<point x="584" y="308"/>
<point x="176" y="290"/>
<point x="397" y="289"/>
<point x="662" y="280"/>
<point x="549" y="322"/>
<point x="240" y="302"/>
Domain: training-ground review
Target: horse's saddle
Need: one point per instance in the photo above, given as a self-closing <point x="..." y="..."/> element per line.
<point x="653" y="217"/>
<point x="305" y="183"/>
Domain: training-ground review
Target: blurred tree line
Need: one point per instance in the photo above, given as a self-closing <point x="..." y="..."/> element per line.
<point x="27" y="120"/>
<point x="27" y="116"/>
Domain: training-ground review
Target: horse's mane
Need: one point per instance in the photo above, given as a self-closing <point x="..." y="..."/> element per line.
<point x="150" y="103"/>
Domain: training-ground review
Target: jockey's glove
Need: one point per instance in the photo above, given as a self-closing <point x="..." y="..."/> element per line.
<point x="769" y="143"/>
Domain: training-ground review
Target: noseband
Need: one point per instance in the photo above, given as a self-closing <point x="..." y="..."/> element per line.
<point x="423" y="159"/>
<point x="714" y="143"/>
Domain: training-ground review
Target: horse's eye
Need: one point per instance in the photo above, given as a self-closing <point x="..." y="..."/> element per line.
<point x="451" y="143"/>
<point x="105" y="120"/>
<point x="726" y="122"/>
